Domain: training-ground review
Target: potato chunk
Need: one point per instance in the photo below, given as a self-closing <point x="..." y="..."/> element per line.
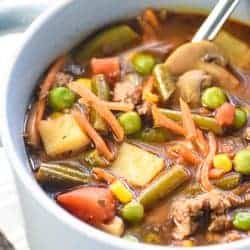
<point x="137" y="166"/>
<point x="61" y="135"/>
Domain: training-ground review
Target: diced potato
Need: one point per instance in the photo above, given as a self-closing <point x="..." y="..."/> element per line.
<point x="237" y="50"/>
<point x="61" y="135"/>
<point x="137" y="166"/>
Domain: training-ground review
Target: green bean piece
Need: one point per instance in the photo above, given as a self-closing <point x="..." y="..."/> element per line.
<point x="101" y="88"/>
<point x="164" y="82"/>
<point x="163" y="186"/>
<point x="241" y="220"/>
<point x="206" y="123"/>
<point x="154" y="135"/>
<point x="228" y="182"/>
<point x="94" y="159"/>
<point x="107" y="42"/>
<point x="58" y="175"/>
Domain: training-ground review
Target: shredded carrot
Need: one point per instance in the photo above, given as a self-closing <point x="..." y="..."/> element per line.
<point x="103" y="175"/>
<point x="201" y="142"/>
<point x="206" y="166"/>
<point x="188" y="122"/>
<point x="117" y="106"/>
<point x="147" y="94"/>
<point x="85" y="125"/>
<point x="51" y="76"/>
<point x="186" y="154"/>
<point x="150" y="17"/>
<point x="100" y="108"/>
<point x="39" y="108"/>
<point x="216" y="173"/>
<point x="161" y="120"/>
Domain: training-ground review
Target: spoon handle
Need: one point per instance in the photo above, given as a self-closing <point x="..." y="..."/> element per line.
<point x="215" y="20"/>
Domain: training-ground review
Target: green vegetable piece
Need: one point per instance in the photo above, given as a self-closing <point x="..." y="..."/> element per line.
<point x="60" y="176"/>
<point x="131" y="122"/>
<point x="101" y="88"/>
<point x="130" y="238"/>
<point x="61" y="98"/>
<point x="143" y="63"/>
<point x="164" y="82"/>
<point x="94" y="159"/>
<point x="241" y="220"/>
<point x="240" y="118"/>
<point x="133" y="212"/>
<point x="163" y="186"/>
<point x="156" y="135"/>
<point x="228" y="182"/>
<point x="242" y="162"/>
<point x="213" y="97"/>
<point x="206" y="123"/>
<point x="107" y="42"/>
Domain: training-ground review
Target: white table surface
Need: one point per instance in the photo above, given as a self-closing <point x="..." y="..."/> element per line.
<point x="11" y="223"/>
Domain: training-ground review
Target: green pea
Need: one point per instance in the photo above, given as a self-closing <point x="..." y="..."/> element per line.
<point x="61" y="98"/>
<point x="143" y="63"/>
<point x="242" y="162"/>
<point x="131" y="122"/>
<point x="240" y="118"/>
<point x="213" y="97"/>
<point x="133" y="212"/>
<point x="241" y="220"/>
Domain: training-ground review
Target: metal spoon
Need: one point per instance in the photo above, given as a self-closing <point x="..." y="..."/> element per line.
<point x="215" y="20"/>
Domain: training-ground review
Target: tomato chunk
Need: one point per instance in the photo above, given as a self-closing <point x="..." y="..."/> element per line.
<point x="225" y="114"/>
<point x="94" y="205"/>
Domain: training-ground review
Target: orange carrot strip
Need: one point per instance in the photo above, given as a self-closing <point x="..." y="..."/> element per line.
<point x="186" y="154"/>
<point x="100" y="108"/>
<point x="150" y="17"/>
<point x="103" y="175"/>
<point x="188" y="122"/>
<point x="39" y="108"/>
<point x="225" y="114"/>
<point x="107" y="66"/>
<point x="216" y="173"/>
<point x="161" y="120"/>
<point x="201" y="142"/>
<point x="147" y="94"/>
<point x="206" y="166"/>
<point x="51" y="76"/>
<point x="91" y="132"/>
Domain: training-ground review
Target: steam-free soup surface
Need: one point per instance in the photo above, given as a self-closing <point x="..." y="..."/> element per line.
<point x="144" y="135"/>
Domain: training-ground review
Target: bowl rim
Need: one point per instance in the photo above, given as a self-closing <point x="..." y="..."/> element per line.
<point x="38" y="194"/>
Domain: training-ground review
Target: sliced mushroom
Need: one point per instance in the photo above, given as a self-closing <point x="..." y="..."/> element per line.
<point x="190" y="85"/>
<point x="194" y="56"/>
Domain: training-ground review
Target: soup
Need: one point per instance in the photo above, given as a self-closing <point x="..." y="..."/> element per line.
<point x="144" y="135"/>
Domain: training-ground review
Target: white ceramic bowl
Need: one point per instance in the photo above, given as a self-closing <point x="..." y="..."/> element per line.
<point x="48" y="226"/>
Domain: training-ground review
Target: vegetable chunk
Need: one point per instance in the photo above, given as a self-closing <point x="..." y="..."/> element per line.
<point x="62" y="135"/>
<point x="137" y="166"/>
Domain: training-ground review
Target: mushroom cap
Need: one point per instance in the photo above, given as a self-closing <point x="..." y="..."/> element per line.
<point x="187" y="56"/>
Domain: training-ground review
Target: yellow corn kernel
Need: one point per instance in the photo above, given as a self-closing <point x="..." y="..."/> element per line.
<point x="222" y="161"/>
<point x="121" y="192"/>
<point x="187" y="243"/>
<point x="86" y="81"/>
